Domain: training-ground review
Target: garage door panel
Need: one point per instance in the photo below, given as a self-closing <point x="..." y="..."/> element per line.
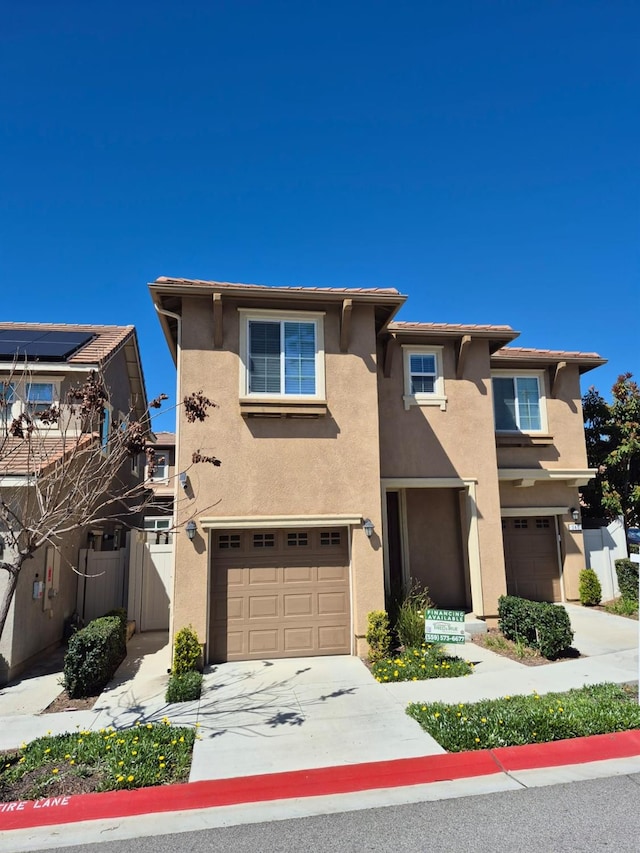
<point x="263" y="642"/>
<point x="281" y="601"/>
<point x="297" y="605"/>
<point x="263" y="606"/>
<point x="297" y="574"/>
<point x="298" y="641"/>
<point x="270" y="575"/>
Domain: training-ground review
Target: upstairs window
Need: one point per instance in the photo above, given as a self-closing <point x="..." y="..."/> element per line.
<point x="283" y="356"/>
<point x="517" y="403"/>
<point x="423" y="377"/>
<point x="40" y="397"/>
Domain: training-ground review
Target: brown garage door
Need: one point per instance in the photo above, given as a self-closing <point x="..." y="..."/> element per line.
<point x="531" y="557"/>
<point x="279" y="593"/>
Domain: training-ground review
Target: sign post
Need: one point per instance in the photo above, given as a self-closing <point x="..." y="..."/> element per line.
<point x="444" y="626"/>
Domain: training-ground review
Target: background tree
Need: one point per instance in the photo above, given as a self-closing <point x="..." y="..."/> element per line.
<point x="72" y="475"/>
<point x="612" y="433"/>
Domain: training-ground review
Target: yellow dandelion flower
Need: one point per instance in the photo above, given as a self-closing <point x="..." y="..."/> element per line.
<point x="483" y="720"/>
<point x="120" y="763"/>
<point x="55" y="770"/>
<point x="47" y="750"/>
<point x="477" y="740"/>
<point x="134" y="752"/>
<point x="120" y="779"/>
<point x="161" y="758"/>
<point x="130" y="778"/>
<point x="163" y="764"/>
<point x="437" y="714"/>
<point x="149" y="726"/>
<point x="395" y="674"/>
<point x="67" y="756"/>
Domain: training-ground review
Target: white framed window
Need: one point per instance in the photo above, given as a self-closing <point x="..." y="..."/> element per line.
<point x="423" y="377"/>
<point x="282" y="355"/>
<point x="160" y="469"/>
<point x="159" y="529"/>
<point x="28" y="396"/>
<point x="518" y="401"/>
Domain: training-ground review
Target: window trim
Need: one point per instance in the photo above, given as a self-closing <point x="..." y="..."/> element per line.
<point x="20" y="403"/>
<point x="437" y="397"/>
<point x="542" y="400"/>
<point x="315" y="317"/>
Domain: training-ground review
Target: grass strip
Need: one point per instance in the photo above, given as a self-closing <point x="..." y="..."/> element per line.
<point x="517" y="720"/>
<point x="105" y="760"/>
<point x="429" y="661"/>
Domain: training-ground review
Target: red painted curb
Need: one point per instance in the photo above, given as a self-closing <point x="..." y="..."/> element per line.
<point x="315" y="782"/>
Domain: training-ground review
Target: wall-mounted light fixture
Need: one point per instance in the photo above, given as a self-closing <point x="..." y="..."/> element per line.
<point x="190" y="527"/>
<point x="183" y="480"/>
<point x="575" y="514"/>
<point x="367" y="525"/>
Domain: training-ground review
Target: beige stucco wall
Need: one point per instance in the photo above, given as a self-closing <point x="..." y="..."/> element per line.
<point x="282" y="466"/>
<point x="456" y="443"/>
<point x="564" y="423"/>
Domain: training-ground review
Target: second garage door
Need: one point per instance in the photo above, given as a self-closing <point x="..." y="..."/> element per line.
<point x="531" y="557"/>
<point x="279" y="593"/>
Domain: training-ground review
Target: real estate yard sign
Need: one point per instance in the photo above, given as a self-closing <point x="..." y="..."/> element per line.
<point x="444" y="626"/>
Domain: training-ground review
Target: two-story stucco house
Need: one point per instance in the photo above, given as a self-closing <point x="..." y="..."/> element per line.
<point x="357" y="454"/>
<point x="39" y="364"/>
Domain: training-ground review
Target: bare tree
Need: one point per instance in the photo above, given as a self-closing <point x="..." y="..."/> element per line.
<point x="65" y="468"/>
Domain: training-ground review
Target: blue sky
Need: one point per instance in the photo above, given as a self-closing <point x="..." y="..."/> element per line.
<point x="482" y="157"/>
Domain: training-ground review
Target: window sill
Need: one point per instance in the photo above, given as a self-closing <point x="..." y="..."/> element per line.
<point x="522" y="439"/>
<point x="426" y="400"/>
<point x="280" y="408"/>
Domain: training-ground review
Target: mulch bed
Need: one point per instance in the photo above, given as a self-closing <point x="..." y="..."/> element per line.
<point x="526" y="656"/>
<point x="64" y="702"/>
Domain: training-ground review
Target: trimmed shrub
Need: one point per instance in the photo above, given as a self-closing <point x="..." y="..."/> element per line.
<point x="378" y="636"/>
<point x="186" y="651"/>
<point x="590" y="588"/>
<point x="410" y="619"/>
<point x="93" y="655"/>
<point x="184" y="686"/>
<point x="538" y="624"/>
<point x="121" y="614"/>
<point x="554" y="633"/>
<point x="627" y="572"/>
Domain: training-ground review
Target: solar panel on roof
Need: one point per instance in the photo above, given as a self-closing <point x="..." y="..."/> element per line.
<point x="39" y="345"/>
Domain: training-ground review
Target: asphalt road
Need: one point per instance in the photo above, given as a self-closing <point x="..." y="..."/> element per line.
<point x="602" y="814"/>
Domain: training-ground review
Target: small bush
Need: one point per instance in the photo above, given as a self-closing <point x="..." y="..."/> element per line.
<point x="378" y="636"/>
<point x="590" y="588"/>
<point x="627" y="572"/>
<point x="186" y="651"/>
<point x="184" y="686"/>
<point x="410" y="619"/>
<point x="428" y="661"/>
<point x="541" y="625"/>
<point x="93" y="656"/>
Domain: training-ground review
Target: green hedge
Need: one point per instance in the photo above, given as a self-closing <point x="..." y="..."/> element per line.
<point x="542" y="626"/>
<point x="590" y="588"/>
<point x="627" y="571"/>
<point x="93" y="656"/>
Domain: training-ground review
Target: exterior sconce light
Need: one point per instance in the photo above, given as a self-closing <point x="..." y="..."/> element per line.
<point x="367" y="524"/>
<point x="575" y="514"/>
<point x="190" y="527"/>
<point x="183" y="480"/>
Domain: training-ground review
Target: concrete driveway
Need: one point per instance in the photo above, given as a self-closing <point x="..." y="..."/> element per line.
<point x="270" y="716"/>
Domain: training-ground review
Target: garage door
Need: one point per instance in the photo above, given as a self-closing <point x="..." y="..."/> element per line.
<point x="279" y="593"/>
<point x="531" y="557"/>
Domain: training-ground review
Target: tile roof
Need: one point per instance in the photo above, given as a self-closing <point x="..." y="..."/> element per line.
<point x="21" y="457"/>
<point x="106" y="340"/>
<point x="548" y="354"/>
<point x="400" y="325"/>
<point x="165" y="438"/>
<point x="226" y="285"/>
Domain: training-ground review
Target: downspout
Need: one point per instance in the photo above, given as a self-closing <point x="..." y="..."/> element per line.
<point x="178" y="319"/>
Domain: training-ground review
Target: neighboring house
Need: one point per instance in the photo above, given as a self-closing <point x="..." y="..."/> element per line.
<point x="39" y="363"/>
<point x="161" y="478"/>
<point x="359" y="454"/>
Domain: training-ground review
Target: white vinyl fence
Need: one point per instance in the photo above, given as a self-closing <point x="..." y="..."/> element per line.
<point x="603" y="546"/>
